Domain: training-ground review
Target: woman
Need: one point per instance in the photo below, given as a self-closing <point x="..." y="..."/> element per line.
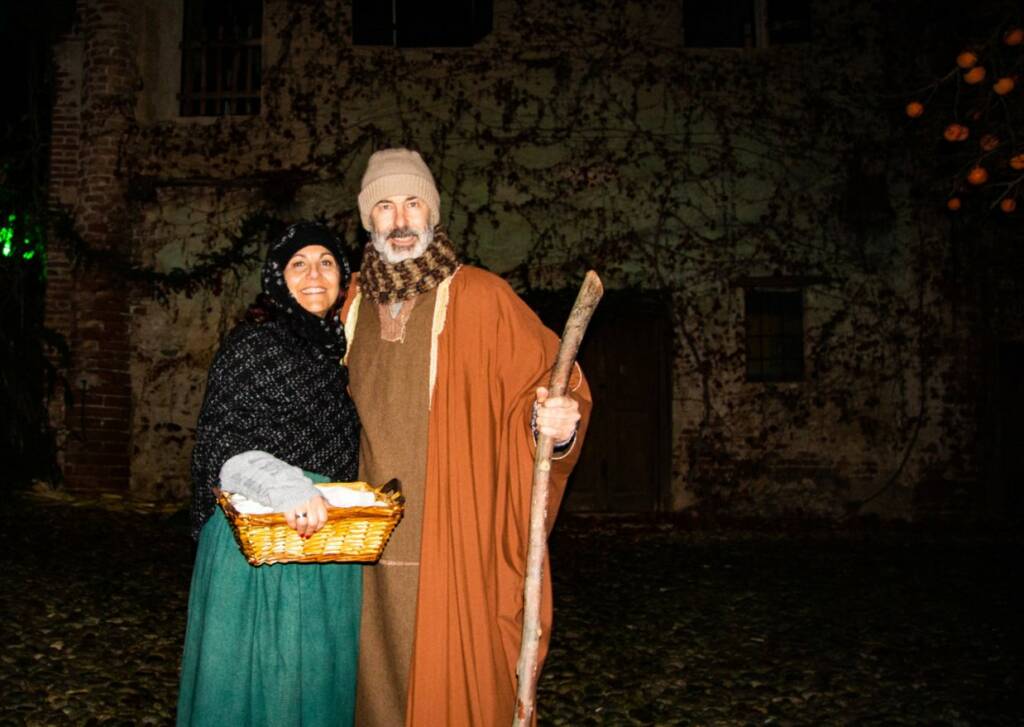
<point x="275" y="645"/>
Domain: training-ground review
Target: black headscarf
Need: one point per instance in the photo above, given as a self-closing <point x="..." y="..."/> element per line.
<point x="276" y="301"/>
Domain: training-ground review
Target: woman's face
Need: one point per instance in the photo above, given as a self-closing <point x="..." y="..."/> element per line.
<point x="313" y="278"/>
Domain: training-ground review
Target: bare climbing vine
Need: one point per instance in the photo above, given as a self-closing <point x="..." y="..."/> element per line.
<point x="584" y="135"/>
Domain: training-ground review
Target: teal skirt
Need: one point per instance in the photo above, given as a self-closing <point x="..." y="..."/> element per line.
<point x="272" y="645"/>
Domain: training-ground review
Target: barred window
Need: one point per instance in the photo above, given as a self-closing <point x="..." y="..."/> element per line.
<point x="221" y="57"/>
<point x="745" y="23"/>
<point x="419" y="24"/>
<point x="775" y="335"/>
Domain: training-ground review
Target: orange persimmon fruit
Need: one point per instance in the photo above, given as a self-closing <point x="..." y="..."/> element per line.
<point x="915" y="109"/>
<point x="1008" y="204"/>
<point x="1013" y="36"/>
<point x="953" y="203"/>
<point x="967" y="59"/>
<point x="1017" y="161"/>
<point x="1003" y="86"/>
<point x="989" y="142"/>
<point x="956" y="132"/>
<point x="977" y="175"/>
<point x="975" y="75"/>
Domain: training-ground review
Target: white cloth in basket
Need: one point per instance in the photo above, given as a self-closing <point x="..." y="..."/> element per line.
<point x="347" y="497"/>
<point x="335" y="496"/>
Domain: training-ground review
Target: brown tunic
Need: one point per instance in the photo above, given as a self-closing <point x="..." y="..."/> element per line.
<point x="491" y="353"/>
<point x="393" y="410"/>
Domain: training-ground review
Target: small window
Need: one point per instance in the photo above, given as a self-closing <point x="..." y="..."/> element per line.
<point x="775" y="335"/>
<point x="419" y="24"/>
<point x="788" y="21"/>
<point x="221" y="57"/>
<point x="745" y="23"/>
<point x="728" y="24"/>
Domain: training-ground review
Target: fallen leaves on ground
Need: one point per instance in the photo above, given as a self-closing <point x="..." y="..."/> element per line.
<point x="654" y="624"/>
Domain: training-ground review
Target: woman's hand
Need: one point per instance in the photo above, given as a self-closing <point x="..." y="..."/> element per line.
<point x="307" y="517"/>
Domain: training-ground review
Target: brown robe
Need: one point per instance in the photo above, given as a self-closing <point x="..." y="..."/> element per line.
<point x="489" y="353"/>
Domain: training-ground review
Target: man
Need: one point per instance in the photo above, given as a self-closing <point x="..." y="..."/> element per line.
<point x="447" y="368"/>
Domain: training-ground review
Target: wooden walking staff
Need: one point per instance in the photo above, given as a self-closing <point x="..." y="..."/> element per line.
<point x="587" y="299"/>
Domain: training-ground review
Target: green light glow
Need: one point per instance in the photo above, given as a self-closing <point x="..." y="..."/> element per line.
<point x="26" y="246"/>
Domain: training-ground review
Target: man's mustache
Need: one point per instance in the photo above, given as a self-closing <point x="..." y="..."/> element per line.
<point x="404" y="232"/>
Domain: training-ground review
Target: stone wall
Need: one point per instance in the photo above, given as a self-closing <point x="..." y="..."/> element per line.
<point x="174" y="343"/>
<point x="568" y="138"/>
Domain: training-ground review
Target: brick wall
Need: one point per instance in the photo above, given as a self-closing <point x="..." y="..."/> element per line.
<point x="92" y="115"/>
<point x="65" y="143"/>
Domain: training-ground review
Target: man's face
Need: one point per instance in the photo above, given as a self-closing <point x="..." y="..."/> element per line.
<point x="401" y="228"/>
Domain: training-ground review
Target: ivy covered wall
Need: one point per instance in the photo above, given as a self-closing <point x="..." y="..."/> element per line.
<point x="581" y="135"/>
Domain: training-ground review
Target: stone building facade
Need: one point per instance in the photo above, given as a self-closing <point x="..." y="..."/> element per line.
<point x="793" y="295"/>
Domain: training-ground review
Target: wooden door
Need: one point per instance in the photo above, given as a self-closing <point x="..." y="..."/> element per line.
<point x="626" y="354"/>
<point x="1006" y="500"/>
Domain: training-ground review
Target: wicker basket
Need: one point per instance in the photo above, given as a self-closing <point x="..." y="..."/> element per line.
<point x="351" y="534"/>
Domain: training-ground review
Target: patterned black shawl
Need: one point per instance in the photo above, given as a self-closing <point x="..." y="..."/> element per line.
<point x="277" y="385"/>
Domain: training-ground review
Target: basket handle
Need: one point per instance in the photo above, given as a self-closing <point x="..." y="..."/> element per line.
<point x="393" y="489"/>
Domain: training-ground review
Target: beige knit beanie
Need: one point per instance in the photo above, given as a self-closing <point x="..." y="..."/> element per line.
<point x="391" y="172"/>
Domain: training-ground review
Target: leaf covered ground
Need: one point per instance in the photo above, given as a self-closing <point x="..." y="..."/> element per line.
<point x="660" y="627"/>
<point x="654" y="624"/>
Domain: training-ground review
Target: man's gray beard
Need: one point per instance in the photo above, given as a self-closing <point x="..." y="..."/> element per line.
<point x="391" y="257"/>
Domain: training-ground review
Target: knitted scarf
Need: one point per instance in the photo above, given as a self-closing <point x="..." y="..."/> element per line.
<point x="382" y="282"/>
